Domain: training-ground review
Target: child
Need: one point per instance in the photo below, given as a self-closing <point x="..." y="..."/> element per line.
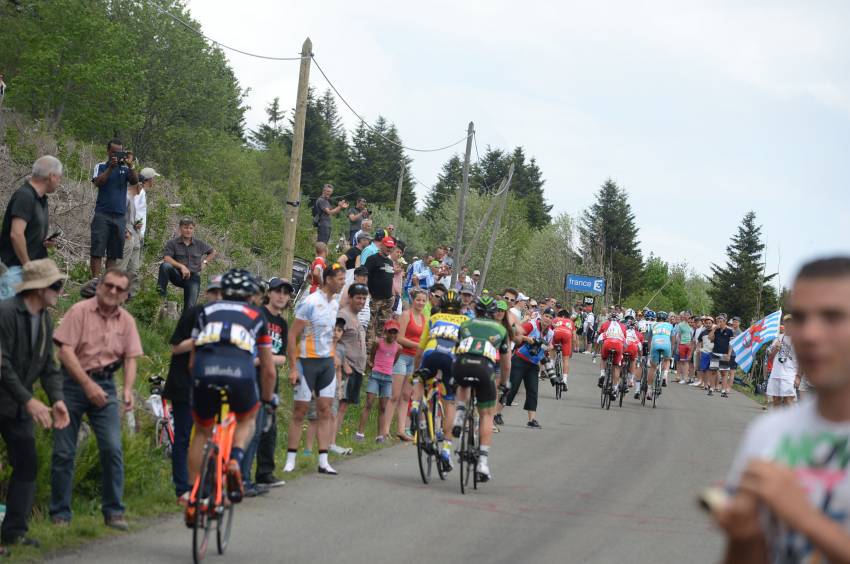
<point x="383" y="357"/>
<point x="320" y="263"/>
<point x="312" y="413"/>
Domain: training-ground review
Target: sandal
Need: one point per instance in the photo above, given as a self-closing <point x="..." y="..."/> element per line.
<point x="404" y="437"/>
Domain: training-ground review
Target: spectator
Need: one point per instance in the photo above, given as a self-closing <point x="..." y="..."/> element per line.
<point x="365" y="227"/>
<point x="383" y="356"/>
<point x="26" y="339"/>
<point x="721" y="336"/>
<point x="397" y="256"/>
<point x="177" y="388"/>
<point x="476" y="278"/>
<point x="373" y="247"/>
<point x="185" y="257"/>
<point x="320" y="263"/>
<point x="355" y="219"/>
<point x="131" y="262"/>
<point x="354" y="363"/>
<point x="462" y="278"/>
<point x="789" y="478"/>
<point x="146" y="177"/>
<point x="351" y="258"/>
<point x="107" y="227"/>
<point x="322" y="213"/>
<point x="435" y="296"/>
<point x="279" y="296"/>
<point x="784" y="377"/>
<point x="411" y="323"/>
<point x="467" y="301"/>
<point x="381" y="271"/>
<point x="361" y="276"/>
<point x="96" y="337"/>
<point x="24" y="236"/>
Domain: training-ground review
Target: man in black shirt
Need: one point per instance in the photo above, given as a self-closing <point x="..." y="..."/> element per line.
<point x="25" y="224"/>
<point x="177" y="388"/>
<point x="381" y="271"/>
<point x="349" y="258"/>
<point x="721" y="335"/>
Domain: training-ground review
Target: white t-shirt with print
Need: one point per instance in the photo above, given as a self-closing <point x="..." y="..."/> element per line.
<point x="819" y="452"/>
<point x="785" y="361"/>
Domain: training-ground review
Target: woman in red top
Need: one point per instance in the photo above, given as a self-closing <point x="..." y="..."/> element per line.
<point x="412" y="322"/>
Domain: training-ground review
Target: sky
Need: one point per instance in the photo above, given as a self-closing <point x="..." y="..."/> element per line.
<point x="702" y="111"/>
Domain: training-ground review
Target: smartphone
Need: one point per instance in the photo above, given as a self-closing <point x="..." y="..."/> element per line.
<point x="712" y="498"/>
<point x="54" y="235"/>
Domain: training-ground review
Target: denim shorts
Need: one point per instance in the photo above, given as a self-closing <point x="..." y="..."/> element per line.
<point x="380" y="385"/>
<point x="404" y="365"/>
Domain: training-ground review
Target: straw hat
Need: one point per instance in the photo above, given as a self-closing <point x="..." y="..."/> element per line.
<point x="38" y="274"/>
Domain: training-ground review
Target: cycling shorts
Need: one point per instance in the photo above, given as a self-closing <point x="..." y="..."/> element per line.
<point x="435" y="360"/>
<point x="483" y="372"/>
<point x="233" y="370"/>
<point x="685" y="353"/>
<point x="632" y="349"/>
<point x="565" y="339"/>
<point x="657" y="352"/>
<point x="613" y="346"/>
<point x="316" y="376"/>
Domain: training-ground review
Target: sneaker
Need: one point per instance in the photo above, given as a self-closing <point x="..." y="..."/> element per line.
<point x="307" y="452"/>
<point x="262" y="489"/>
<point x="380" y="439"/>
<point x="184" y="499"/>
<point x="637" y="395"/>
<point x="234" y="482"/>
<point x="533" y="424"/>
<point x="271" y="481"/>
<point x="327" y="470"/>
<point x="116" y="522"/>
<point x="483" y="470"/>
<point x="695" y="384"/>
<point x="458" y="423"/>
<point x="342" y="451"/>
<point x="710" y="393"/>
<point x="250" y="490"/>
<point x="359" y="437"/>
<point x="724" y="394"/>
<point x="60" y="522"/>
<point x="599" y="381"/>
<point x="649" y="396"/>
<point x="498" y="419"/>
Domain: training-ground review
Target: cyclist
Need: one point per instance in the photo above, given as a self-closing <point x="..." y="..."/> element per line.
<point x="483" y="340"/>
<point x="436" y="354"/>
<point x="564" y="329"/>
<point x="634" y="344"/>
<point x="228" y="336"/>
<point x="661" y="349"/>
<point x="612" y="335"/>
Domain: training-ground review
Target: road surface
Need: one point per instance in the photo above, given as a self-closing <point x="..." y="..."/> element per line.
<point x="591" y="486"/>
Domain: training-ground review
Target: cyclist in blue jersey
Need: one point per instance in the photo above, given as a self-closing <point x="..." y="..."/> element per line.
<point x="229" y="335"/>
<point x="660" y="349"/>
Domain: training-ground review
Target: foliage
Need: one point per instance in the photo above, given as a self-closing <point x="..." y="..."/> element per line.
<point x="740" y="287"/>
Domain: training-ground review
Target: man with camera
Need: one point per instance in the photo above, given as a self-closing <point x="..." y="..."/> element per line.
<point x="355" y="219"/>
<point x="322" y="213"/>
<point x="108" y="225"/>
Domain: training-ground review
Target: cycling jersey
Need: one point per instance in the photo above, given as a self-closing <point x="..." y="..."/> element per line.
<point x="661" y="333"/>
<point x="564" y="329"/>
<point x="442" y="332"/>
<point x="563" y="324"/>
<point x="483" y="337"/>
<point x="320" y="315"/>
<point x="613" y="331"/>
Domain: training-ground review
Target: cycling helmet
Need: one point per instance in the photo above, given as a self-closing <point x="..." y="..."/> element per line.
<point x="238" y="283"/>
<point x="502" y="305"/>
<point x="662" y="316"/>
<point x="450" y="302"/>
<point x="630" y="313"/>
<point x="630" y="319"/>
<point x="485" y="306"/>
<point x="613" y="316"/>
<point x="649" y="315"/>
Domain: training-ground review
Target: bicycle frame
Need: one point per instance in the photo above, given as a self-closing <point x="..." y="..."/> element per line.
<point x="221" y="443"/>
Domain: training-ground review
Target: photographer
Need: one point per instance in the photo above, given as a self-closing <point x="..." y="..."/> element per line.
<point x="323" y="211"/>
<point x="107" y="227"/>
<point x="355" y="219"/>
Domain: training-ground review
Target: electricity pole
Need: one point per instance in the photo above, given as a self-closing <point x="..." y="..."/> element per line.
<point x="461" y="206"/>
<point x="497" y="223"/>
<point x="290" y="214"/>
<point x="398" y="195"/>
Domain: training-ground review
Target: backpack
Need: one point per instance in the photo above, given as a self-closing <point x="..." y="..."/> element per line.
<point x="316" y="213"/>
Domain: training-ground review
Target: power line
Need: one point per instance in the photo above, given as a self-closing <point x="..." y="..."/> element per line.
<point x="220" y="44"/>
<point x="367" y="124"/>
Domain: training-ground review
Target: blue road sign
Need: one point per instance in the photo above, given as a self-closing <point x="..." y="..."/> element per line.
<point x="585" y="284"/>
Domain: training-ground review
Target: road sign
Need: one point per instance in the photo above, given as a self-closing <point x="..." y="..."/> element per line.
<point x="585" y="284"/>
<point x="589" y="300"/>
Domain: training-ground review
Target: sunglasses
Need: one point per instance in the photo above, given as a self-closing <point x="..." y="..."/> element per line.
<point x="114" y="287"/>
<point x="57" y="286"/>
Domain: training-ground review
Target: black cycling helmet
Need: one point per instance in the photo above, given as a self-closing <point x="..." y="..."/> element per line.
<point x="450" y="303"/>
<point x="485" y="306"/>
<point x="550" y="312"/>
<point x="239" y="284"/>
<point x="630" y="319"/>
<point x="662" y="315"/>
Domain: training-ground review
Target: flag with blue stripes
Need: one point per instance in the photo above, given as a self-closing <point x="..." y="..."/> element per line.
<point x="748" y="343"/>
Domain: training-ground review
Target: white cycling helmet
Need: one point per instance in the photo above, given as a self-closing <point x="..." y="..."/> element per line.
<point x="630" y="312"/>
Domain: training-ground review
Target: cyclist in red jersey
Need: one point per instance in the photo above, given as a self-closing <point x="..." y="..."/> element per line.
<point x="634" y="342"/>
<point x="612" y="334"/>
<point x="564" y="329"/>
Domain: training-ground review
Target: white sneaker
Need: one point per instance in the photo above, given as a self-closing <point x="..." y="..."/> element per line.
<point x="695" y="385"/>
<point x="289" y="467"/>
<point x="336" y="449"/>
<point x="457" y="426"/>
<point x="483" y="469"/>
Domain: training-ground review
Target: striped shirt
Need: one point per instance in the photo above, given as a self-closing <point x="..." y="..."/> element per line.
<point x="319" y="313"/>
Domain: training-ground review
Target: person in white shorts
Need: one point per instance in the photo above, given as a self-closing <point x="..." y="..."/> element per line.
<point x="784" y="376"/>
<point x="314" y="373"/>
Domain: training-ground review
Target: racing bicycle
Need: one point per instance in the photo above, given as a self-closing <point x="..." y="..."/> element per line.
<point x="164" y="419"/>
<point x="428" y="426"/>
<point x="605" y="395"/>
<point x="467" y="452"/>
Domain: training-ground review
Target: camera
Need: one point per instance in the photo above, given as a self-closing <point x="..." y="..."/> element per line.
<point x="121" y="157"/>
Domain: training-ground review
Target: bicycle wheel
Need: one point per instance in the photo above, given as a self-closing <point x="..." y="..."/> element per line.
<point x="436" y="429"/>
<point x="559" y="367"/>
<point x="206" y="487"/>
<point x="465" y="451"/>
<point x="224" y="525"/>
<point x="624" y="388"/>
<point x="644" y="384"/>
<point x="423" y="450"/>
<point x="656" y="388"/>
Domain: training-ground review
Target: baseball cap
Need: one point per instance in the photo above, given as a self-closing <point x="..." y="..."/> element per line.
<point x="391" y="325"/>
<point x="388" y="241"/>
<point x="435" y="263"/>
<point x="363" y="235"/>
<point x="379" y="234"/>
<point x="478" y="272"/>
<point x="502" y="305"/>
<point x="215" y="283"/>
<point x="147" y="173"/>
<point x="721" y="316"/>
<point x="786" y="317"/>
<point x="522" y="297"/>
<point x="736" y="318"/>
<point x="275" y="283"/>
<point x="467" y="289"/>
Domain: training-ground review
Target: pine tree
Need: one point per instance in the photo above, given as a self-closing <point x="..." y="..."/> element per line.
<point x="609" y="242"/>
<point x="740" y="286"/>
<point x="272" y="132"/>
<point x="448" y="181"/>
<point x="528" y="185"/>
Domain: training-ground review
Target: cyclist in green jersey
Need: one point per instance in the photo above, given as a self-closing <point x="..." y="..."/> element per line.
<point x="483" y="341"/>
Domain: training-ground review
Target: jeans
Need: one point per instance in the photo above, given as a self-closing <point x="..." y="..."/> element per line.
<point x="19" y="436"/>
<point x="191" y="286"/>
<point x="106" y="423"/>
<point x="251" y="449"/>
<point x="524" y="371"/>
<point x="179" y="454"/>
<point x="266" y="449"/>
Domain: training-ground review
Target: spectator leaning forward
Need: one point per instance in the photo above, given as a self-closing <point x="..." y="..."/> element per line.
<point x="107" y="227"/>
<point x="184" y="258"/>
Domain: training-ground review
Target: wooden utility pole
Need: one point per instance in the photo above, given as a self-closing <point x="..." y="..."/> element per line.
<point x="495" y="233"/>
<point x="398" y="195"/>
<point x="461" y="206"/>
<point x="290" y="213"/>
<point x="467" y="253"/>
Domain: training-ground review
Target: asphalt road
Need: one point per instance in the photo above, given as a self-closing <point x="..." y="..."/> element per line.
<point x="591" y="486"/>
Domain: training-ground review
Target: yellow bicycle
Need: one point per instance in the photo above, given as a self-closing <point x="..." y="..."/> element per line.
<point x="428" y="426"/>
